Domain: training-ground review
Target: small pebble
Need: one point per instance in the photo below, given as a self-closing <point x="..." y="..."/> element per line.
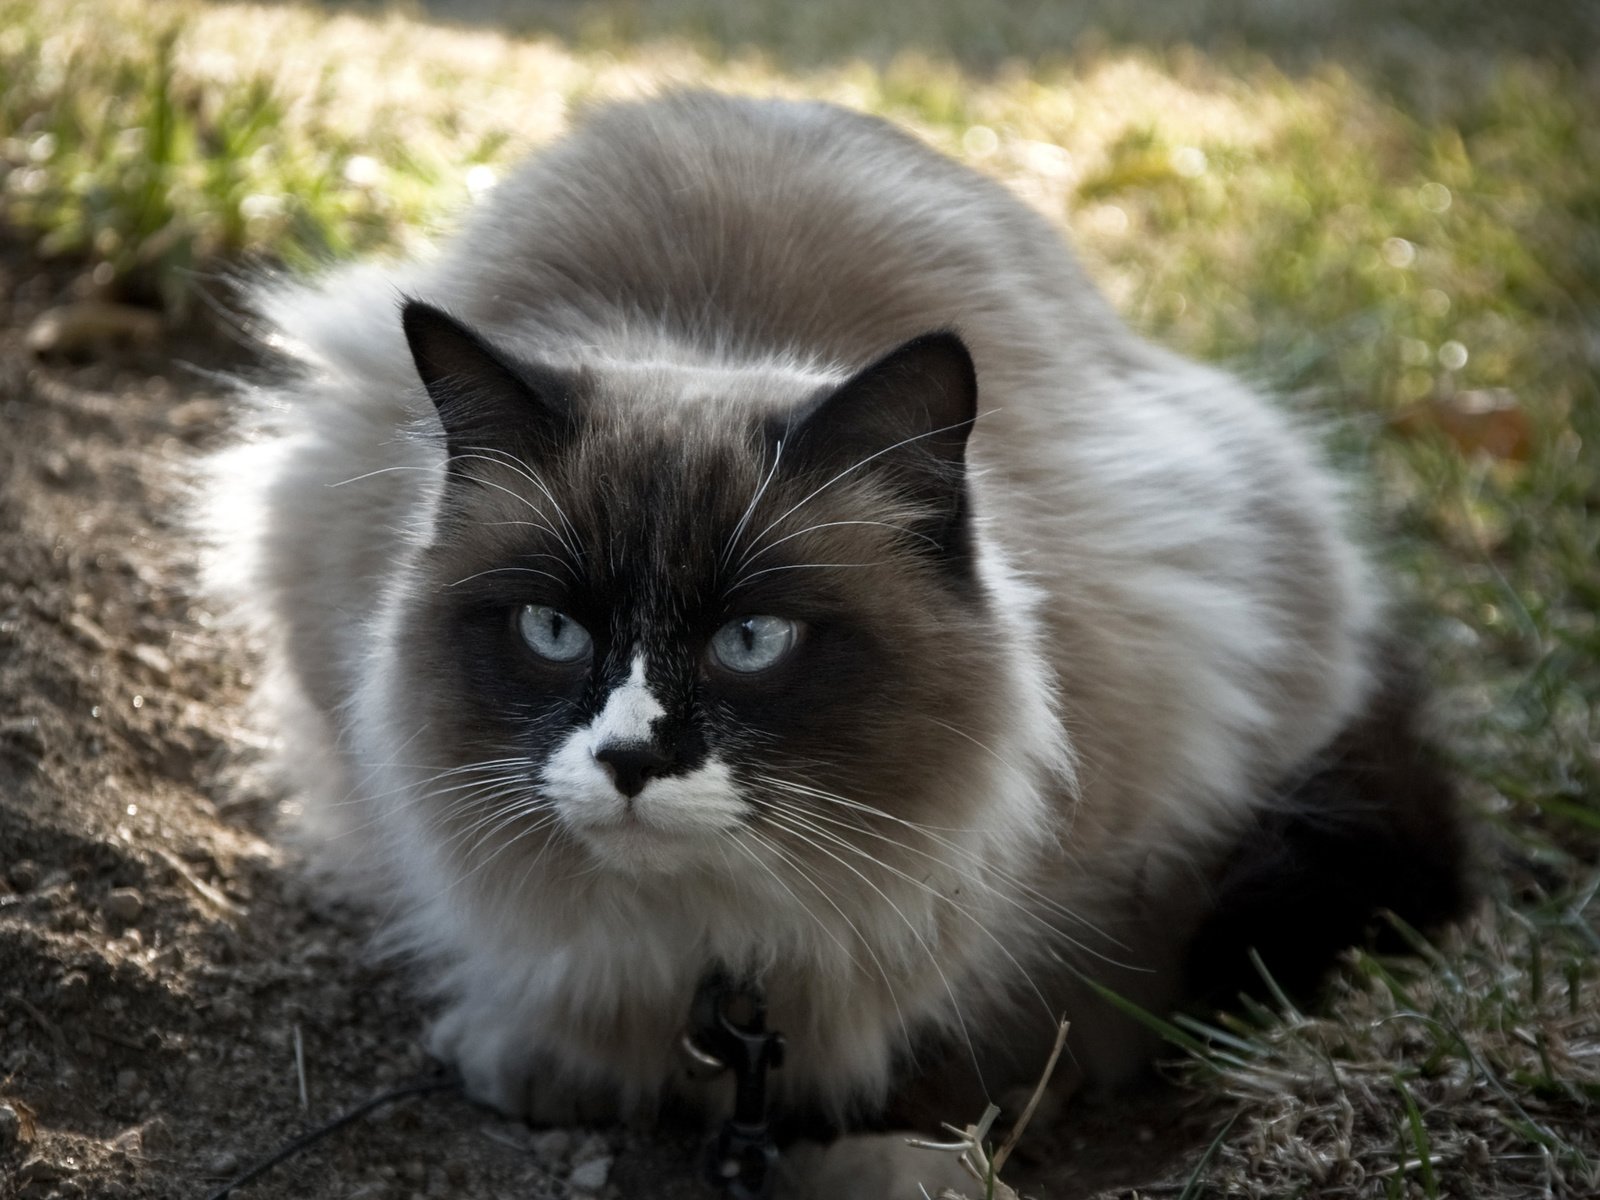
<point x="167" y="959"/>
<point x="41" y="1170"/>
<point x="22" y="735"/>
<point x="72" y="994"/>
<point x="57" y="467"/>
<point x="10" y="1127"/>
<point x="225" y="1163"/>
<point x="127" y="1081"/>
<point x="552" y="1147"/>
<point x="154" y="660"/>
<point x="124" y="905"/>
<point x="154" y="1136"/>
<point x="24" y="875"/>
<point x="590" y="1176"/>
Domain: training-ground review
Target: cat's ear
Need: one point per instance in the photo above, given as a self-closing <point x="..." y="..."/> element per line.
<point x="484" y="399"/>
<point x="904" y="419"/>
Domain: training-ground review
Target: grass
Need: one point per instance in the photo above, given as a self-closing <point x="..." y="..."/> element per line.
<point x="1397" y="228"/>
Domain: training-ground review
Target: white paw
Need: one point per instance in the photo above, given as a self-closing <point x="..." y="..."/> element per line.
<point x="502" y="1066"/>
<point x="879" y="1166"/>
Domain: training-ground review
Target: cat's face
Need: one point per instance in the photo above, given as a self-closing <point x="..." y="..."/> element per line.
<point x="656" y="634"/>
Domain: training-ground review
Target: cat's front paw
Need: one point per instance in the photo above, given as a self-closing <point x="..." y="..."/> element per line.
<point x="876" y="1166"/>
<point x="502" y="1066"/>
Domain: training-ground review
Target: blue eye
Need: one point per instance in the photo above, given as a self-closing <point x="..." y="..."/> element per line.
<point x="750" y="644"/>
<point x="553" y="635"/>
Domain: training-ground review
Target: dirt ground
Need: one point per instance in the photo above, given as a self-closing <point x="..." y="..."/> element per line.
<point x="175" y="1002"/>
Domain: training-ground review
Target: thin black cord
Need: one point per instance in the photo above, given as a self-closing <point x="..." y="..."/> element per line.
<point x="415" y="1088"/>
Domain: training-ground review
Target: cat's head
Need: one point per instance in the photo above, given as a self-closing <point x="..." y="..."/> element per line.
<point x="681" y="620"/>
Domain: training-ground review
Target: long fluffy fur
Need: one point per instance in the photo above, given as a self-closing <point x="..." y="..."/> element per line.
<point x="1186" y="621"/>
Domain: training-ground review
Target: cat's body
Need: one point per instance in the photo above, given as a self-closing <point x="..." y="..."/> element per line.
<point x="1041" y="684"/>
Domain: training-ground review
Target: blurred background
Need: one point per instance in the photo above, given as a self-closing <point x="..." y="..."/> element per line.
<point x="1386" y="213"/>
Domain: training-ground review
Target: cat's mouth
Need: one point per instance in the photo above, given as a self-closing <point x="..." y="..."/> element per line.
<point x="632" y="841"/>
<point x="674" y="822"/>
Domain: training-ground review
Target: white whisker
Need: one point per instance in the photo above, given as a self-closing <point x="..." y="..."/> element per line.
<point x="977" y="861"/>
<point x="815" y="492"/>
<point x="757" y="552"/>
<point x="933" y="960"/>
<point x="507" y="571"/>
<point x="750" y="508"/>
<point x="745" y="580"/>
<point x="506" y="459"/>
<point x="794" y="815"/>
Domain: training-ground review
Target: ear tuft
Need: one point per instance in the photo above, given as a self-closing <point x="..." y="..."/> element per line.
<point x="925" y="391"/>
<point x="484" y="398"/>
<point x="905" y="420"/>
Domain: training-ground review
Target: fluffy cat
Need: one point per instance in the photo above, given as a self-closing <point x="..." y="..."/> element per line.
<point x="752" y="540"/>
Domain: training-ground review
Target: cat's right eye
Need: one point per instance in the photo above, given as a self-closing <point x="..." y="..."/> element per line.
<point x="749" y="645"/>
<point x="553" y="635"/>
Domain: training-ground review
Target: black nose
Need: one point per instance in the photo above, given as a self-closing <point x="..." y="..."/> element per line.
<point x="632" y="764"/>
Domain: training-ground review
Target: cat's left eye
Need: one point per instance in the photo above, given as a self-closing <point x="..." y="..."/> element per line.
<point x="749" y="644"/>
<point x="553" y="635"/>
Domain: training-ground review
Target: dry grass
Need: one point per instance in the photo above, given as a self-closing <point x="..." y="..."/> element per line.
<point x="1469" y="1072"/>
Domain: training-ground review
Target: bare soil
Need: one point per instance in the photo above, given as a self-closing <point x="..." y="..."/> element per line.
<point x="175" y="1001"/>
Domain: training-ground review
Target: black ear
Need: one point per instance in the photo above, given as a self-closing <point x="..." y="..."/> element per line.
<point x="904" y="419"/>
<point x="484" y="398"/>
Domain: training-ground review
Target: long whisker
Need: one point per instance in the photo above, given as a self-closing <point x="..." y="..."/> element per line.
<point x="416" y="786"/>
<point x="1001" y="895"/>
<point x="375" y="472"/>
<point x="517" y="466"/>
<point x="934" y="834"/>
<point x="933" y="960"/>
<point x="757" y="551"/>
<point x="542" y="820"/>
<point x="750" y="508"/>
<point x="733" y="837"/>
<point x="799" y="868"/>
<point x="857" y="806"/>
<point x="508" y="571"/>
<point x="565" y="538"/>
<point x="540" y="525"/>
<point x="744" y="580"/>
<point x="794" y="816"/>
<point x="815" y="492"/>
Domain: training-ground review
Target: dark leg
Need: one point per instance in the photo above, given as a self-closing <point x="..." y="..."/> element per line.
<point x="1377" y="826"/>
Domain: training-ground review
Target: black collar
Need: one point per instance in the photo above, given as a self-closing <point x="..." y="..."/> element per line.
<point x="728" y="1030"/>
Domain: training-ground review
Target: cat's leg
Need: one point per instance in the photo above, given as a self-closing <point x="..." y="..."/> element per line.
<point x="1375" y="825"/>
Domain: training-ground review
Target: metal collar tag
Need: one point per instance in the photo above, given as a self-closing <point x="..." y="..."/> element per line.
<point x="728" y="1030"/>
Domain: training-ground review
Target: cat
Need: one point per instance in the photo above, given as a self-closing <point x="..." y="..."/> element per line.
<point x="753" y="542"/>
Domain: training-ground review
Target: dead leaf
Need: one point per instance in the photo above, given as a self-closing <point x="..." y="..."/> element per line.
<point x="74" y="328"/>
<point x="1483" y="421"/>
